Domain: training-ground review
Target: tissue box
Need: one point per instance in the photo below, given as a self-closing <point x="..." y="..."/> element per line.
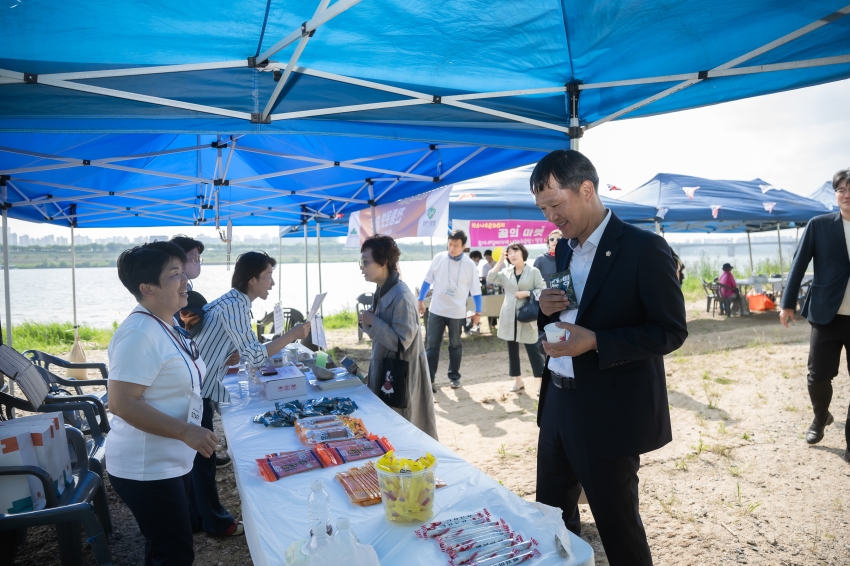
<point x="289" y="382"/>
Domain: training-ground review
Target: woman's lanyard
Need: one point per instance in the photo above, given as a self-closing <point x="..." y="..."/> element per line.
<point x="179" y="347"/>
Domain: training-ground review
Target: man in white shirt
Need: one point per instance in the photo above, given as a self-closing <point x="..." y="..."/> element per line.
<point x="488" y="265"/>
<point x="827" y="304"/>
<point x="603" y="400"/>
<point x="453" y="277"/>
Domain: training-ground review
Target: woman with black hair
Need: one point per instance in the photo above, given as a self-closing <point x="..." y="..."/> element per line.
<point x="227" y="330"/>
<point x="519" y="281"/>
<point x="155" y="376"/>
<point x="393" y="325"/>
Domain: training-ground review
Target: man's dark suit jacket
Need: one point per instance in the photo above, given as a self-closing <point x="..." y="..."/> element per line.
<point x="824" y="242"/>
<point x="633" y="302"/>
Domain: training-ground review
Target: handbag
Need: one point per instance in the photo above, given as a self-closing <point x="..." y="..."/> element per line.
<point x="394" y="376"/>
<point x="529" y="311"/>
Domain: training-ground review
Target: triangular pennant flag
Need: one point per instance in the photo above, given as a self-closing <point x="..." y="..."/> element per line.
<point x="768" y="206"/>
<point x="765" y="188"/>
<point x="715" y="209"/>
<point x="614" y="188"/>
<point x="690" y="191"/>
<point x="465" y="196"/>
<point x="661" y="212"/>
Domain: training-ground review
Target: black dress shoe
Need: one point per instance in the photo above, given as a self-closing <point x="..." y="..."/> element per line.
<point x="847" y="455"/>
<point x="815" y="432"/>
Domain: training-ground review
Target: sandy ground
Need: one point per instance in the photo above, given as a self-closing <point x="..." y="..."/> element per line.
<point x="738" y="484"/>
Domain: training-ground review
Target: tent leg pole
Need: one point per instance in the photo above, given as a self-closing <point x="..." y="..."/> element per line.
<point x="319" y="250"/>
<point x="574" y="123"/>
<point x="306" y="274"/>
<point x="279" y="262"/>
<point x="779" y="239"/>
<point x="750" y="247"/>
<point x="432" y="247"/>
<point x="74" y="282"/>
<point x="6" y="282"/>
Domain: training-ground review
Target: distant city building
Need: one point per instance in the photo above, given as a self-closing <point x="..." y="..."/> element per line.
<point x="82" y="240"/>
<point x="24" y="240"/>
<point x="13" y="239"/>
<point x="159" y="238"/>
<point x="62" y="241"/>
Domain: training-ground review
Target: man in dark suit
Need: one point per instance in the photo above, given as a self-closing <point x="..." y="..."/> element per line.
<point x="603" y="400"/>
<point x="827" y="305"/>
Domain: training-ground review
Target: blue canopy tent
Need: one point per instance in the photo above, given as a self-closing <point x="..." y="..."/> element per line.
<point x="693" y="204"/>
<point x="498" y="81"/>
<point x="825" y="195"/>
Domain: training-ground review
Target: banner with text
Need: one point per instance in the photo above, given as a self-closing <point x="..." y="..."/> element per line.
<point x="420" y="216"/>
<point x="488" y="233"/>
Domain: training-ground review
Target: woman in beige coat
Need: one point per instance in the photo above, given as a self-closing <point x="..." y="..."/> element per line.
<point x="519" y="281"/>
<point x="393" y="322"/>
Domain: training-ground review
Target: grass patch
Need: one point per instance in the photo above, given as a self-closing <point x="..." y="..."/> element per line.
<point x="58" y="337"/>
<point x="346" y="318"/>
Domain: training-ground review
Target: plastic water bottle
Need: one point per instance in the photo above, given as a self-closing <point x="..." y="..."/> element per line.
<point x="319" y="511"/>
<point x="344" y="537"/>
<point x="242" y="378"/>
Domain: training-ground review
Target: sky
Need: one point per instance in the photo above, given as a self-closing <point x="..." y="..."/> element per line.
<point x="795" y="140"/>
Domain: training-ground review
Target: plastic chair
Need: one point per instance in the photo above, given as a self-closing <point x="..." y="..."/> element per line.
<point x="83" y="503"/>
<point x="735" y="300"/>
<point x="291" y="317"/>
<point x="56" y="383"/>
<point x="32" y="382"/>
<point x="711" y="295"/>
<point x="364" y="303"/>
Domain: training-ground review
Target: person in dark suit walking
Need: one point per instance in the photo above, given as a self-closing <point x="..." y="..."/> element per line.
<point x="603" y="399"/>
<point x="827" y="305"/>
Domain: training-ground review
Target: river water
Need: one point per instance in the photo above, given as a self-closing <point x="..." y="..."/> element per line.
<point x="44" y="295"/>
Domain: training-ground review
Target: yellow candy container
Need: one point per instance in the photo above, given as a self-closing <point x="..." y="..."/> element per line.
<point x="407" y="485"/>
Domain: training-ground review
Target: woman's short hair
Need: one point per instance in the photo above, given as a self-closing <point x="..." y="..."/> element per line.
<point x="144" y="264"/>
<point x="248" y="266"/>
<point x="519" y="247"/>
<point x="188" y="244"/>
<point x="384" y="250"/>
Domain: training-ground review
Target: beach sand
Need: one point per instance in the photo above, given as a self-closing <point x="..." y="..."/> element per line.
<point x="738" y="484"/>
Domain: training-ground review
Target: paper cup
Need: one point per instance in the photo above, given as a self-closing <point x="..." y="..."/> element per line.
<point x="554" y="333"/>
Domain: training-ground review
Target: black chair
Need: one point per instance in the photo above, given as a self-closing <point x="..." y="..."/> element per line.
<point x="364" y="303"/>
<point x="711" y="296"/>
<point x="45" y="360"/>
<point x="83" y="503"/>
<point x="32" y="382"/>
<point x="291" y="317"/>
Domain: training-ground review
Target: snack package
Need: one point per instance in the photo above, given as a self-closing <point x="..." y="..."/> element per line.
<point x="563" y="280"/>
<point x="360" y="448"/>
<point x="478" y="517"/>
<point x="512" y="558"/>
<point x="314" y="436"/>
<point x="496" y="549"/>
<point x="285" y="414"/>
<point x="276" y="466"/>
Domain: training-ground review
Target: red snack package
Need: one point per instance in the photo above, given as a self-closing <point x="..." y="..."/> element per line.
<point x="357" y="449"/>
<point x="276" y="466"/>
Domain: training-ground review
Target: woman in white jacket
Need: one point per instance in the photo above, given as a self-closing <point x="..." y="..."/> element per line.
<point x="519" y="281"/>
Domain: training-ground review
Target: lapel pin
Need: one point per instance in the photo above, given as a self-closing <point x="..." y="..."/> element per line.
<point x="607" y="254"/>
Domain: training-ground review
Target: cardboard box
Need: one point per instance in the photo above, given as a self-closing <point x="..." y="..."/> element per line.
<point x="24" y="492"/>
<point x="289" y="382"/>
<point x="50" y="443"/>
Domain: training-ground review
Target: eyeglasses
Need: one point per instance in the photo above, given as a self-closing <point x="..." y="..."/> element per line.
<point x="554" y="239"/>
<point x="365" y="262"/>
<point x="841" y="191"/>
<point x="188" y="344"/>
<point x="198" y="260"/>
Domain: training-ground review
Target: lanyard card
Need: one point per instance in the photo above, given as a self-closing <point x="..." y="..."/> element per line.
<point x="196" y="409"/>
<point x="563" y="280"/>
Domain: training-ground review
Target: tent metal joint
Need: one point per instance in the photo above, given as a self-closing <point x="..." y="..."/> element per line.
<point x="575" y="132"/>
<point x="86" y="161"/>
<point x="437" y="100"/>
<point x="221" y="182"/>
<point x="372" y="202"/>
<point x="257" y="118"/>
<point x="254" y="64"/>
<point x="702" y="75"/>
<point x="31" y="78"/>
<point x="435" y="179"/>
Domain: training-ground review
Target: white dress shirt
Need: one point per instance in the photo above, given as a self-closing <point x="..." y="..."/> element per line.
<point x="452" y="281"/>
<point x="580" y="264"/>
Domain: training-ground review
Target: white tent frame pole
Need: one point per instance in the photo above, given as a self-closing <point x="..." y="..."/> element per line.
<point x="310" y="25"/>
<point x="319" y="251"/>
<point x="373" y="207"/>
<point x="306" y="271"/>
<point x="750" y="248"/>
<point x="346" y="109"/>
<point x="135" y="71"/>
<point x="462" y="162"/>
<point x="74" y="283"/>
<point x="411" y="168"/>
<point x="734" y="62"/>
<point x="779" y="239"/>
<point x="279" y="267"/>
<point x="299" y="49"/>
<point x="7" y="291"/>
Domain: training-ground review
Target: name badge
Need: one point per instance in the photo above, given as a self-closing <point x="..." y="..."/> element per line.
<point x="196" y="409"/>
<point x="451" y="291"/>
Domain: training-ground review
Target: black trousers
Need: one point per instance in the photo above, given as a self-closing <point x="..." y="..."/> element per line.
<point x="161" y="509"/>
<point x="436" y="327"/>
<point x="825" y="345"/>
<point x="565" y="463"/>
<point x="213" y="517"/>
<point x="534" y="358"/>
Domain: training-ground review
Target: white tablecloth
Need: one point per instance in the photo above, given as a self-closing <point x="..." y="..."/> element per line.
<point x="275" y="514"/>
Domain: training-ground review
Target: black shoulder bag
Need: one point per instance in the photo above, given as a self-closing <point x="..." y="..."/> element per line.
<point x="394" y="376"/>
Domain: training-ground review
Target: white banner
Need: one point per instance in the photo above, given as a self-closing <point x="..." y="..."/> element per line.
<point x="421" y="216"/>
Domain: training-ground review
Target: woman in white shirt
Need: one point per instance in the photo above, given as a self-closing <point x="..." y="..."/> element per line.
<point x="155" y="377"/>
<point x="519" y="280"/>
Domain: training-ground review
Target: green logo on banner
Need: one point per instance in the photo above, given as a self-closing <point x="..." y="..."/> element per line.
<point x="353" y="231"/>
<point x="431" y="212"/>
